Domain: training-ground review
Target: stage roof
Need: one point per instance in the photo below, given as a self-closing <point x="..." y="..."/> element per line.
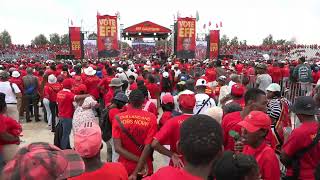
<point x="146" y="29"/>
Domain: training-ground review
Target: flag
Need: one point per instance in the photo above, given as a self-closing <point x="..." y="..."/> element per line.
<point x="71" y="22"/>
<point x="197" y="16"/>
<point x="220" y="23"/>
<point x="204" y="26"/>
<point x="209" y="23"/>
<point x="217" y="26"/>
<point x="178" y="14"/>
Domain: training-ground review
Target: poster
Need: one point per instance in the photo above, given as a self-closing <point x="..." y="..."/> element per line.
<point x="107" y="39"/>
<point x="90" y="49"/>
<point x="186" y="38"/>
<point x="214" y="44"/>
<point x="75" y="42"/>
<point x="201" y="50"/>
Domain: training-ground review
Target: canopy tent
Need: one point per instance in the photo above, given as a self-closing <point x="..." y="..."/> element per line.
<point x="146" y="29"/>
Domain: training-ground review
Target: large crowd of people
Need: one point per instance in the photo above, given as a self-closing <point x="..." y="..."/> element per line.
<point x="225" y="119"/>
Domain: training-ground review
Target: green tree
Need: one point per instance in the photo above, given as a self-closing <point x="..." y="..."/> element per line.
<point x="224" y="41"/>
<point x="234" y="41"/>
<point x="40" y="40"/>
<point x="268" y="40"/>
<point x="5" y="38"/>
<point x="92" y="36"/>
<point x="64" y="39"/>
<point x="55" y="39"/>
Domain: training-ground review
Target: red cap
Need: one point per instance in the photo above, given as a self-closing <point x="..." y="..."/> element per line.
<point x="255" y="121"/>
<point x="187" y="101"/>
<point x="67" y="83"/>
<point x="44" y="161"/>
<point x="167" y="98"/>
<point x="237" y="89"/>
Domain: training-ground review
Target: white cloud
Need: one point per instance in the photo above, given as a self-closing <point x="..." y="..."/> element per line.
<point x="248" y="19"/>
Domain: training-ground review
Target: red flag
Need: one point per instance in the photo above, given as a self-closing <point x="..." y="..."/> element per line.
<point x="204" y="26"/>
<point x="220" y="23"/>
<point x="209" y="23"/>
<point x="217" y="26"/>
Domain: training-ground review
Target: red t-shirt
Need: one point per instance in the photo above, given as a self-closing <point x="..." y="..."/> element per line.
<point x="239" y="68"/>
<point x="154" y="89"/>
<point x="302" y="137"/>
<point x="92" y="85"/>
<point x="142" y="126"/>
<point x="276" y="74"/>
<point x="166" y="115"/>
<point x="51" y="90"/>
<point x="18" y="81"/>
<point x="104" y="83"/>
<point x="11" y="126"/>
<point x="114" y="111"/>
<point x="65" y="99"/>
<point x="108" y="97"/>
<point x="285" y="71"/>
<point x="230" y="122"/>
<point x="133" y="86"/>
<point x="266" y="159"/>
<point x="211" y="75"/>
<point x="171" y="173"/>
<point x="169" y="134"/>
<point x="110" y="171"/>
<point x="151" y="108"/>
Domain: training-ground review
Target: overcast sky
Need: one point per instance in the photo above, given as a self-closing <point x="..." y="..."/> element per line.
<point x="251" y="20"/>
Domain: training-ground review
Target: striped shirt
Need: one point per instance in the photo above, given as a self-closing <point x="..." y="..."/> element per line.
<point x="274" y="108"/>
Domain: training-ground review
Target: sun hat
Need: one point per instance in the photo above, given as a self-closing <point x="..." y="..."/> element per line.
<point x="115" y="82"/>
<point x="90" y="71"/>
<point x="15" y="74"/>
<point x="52" y="79"/>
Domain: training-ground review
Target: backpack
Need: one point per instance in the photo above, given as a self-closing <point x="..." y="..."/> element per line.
<point x="105" y="125"/>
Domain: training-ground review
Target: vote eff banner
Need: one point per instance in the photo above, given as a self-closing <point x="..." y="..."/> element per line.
<point x="186" y="38"/>
<point x="75" y="42"/>
<point x="107" y="39"/>
<point x="214" y="44"/>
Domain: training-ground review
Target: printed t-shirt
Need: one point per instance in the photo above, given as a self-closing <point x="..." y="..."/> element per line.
<point x="65" y="99"/>
<point x="171" y="173"/>
<point x="267" y="160"/>
<point x="200" y="101"/>
<point x="110" y="171"/>
<point x="302" y="137"/>
<point x="142" y="126"/>
<point x="169" y="134"/>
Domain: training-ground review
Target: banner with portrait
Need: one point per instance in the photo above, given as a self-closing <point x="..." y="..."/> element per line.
<point x="186" y="38"/>
<point x="107" y="39"/>
<point x="201" y="50"/>
<point x="75" y="42"/>
<point x="90" y="49"/>
<point x="214" y="44"/>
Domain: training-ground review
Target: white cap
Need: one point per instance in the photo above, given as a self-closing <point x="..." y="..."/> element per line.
<point x="15" y="74"/>
<point x="201" y="82"/>
<point x="52" y="79"/>
<point x="165" y="74"/>
<point x="274" y="87"/>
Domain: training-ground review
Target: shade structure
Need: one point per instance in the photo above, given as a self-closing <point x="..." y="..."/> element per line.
<point x="146" y="29"/>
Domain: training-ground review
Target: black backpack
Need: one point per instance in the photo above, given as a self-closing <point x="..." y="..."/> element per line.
<point x="105" y="125"/>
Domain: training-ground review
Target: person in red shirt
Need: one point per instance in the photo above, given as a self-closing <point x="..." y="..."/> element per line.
<point x="169" y="133"/>
<point x="210" y="74"/>
<point x="255" y="100"/>
<point x="132" y="83"/>
<point x="91" y="81"/>
<point x="142" y="126"/>
<point x="200" y="143"/>
<point x="88" y="142"/>
<point x="300" y="138"/>
<point x="153" y="89"/>
<point x="148" y="104"/>
<point x="239" y="67"/>
<point x="104" y="83"/>
<point x="276" y="73"/>
<point x="256" y="126"/>
<point x="50" y="93"/>
<point x="167" y="104"/>
<point x="65" y="100"/>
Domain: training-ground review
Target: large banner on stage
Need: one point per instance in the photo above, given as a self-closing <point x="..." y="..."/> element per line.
<point x="186" y="38"/>
<point x="107" y="39"/>
<point x="201" y="50"/>
<point x="90" y="49"/>
<point x="214" y="44"/>
<point x="75" y="42"/>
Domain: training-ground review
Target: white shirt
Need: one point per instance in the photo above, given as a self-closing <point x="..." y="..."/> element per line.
<point x="7" y="90"/>
<point x="200" y="100"/>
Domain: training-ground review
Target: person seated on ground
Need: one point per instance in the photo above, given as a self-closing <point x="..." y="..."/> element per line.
<point x="167" y="108"/>
<point x="256" y="126"/>
<point x="43" y="161"/>
<point x="232" y="166"/>
<point x="200" y="143"/>
<point x="88" y="144"/>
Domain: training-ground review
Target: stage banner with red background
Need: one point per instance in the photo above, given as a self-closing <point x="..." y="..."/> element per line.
<point x="186" y="38"/>
<point x="214" y="44"/>
<point x="107" y="39"/>
<point x="75" y="42"/>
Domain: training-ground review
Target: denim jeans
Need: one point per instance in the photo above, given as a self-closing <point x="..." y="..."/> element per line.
<point x="67" y="126"/>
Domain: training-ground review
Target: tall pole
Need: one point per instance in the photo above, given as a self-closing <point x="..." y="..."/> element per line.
<point x="121" y="46"/>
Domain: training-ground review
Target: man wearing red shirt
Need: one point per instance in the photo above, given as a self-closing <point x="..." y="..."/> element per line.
<point x="300" y="138"/>
<point x="256" y="126"/>
<point x="153" y="88"/>
<point x="255" y="100"/>
<point x="141" y="126"/>
<point x="65" y="100"/>
<point x="210" y="74"/>
<point x="91" y="81"/>
<point x="169" y="133"/>
<point x="200" y="143"/>
<point x="104" y="83"/>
